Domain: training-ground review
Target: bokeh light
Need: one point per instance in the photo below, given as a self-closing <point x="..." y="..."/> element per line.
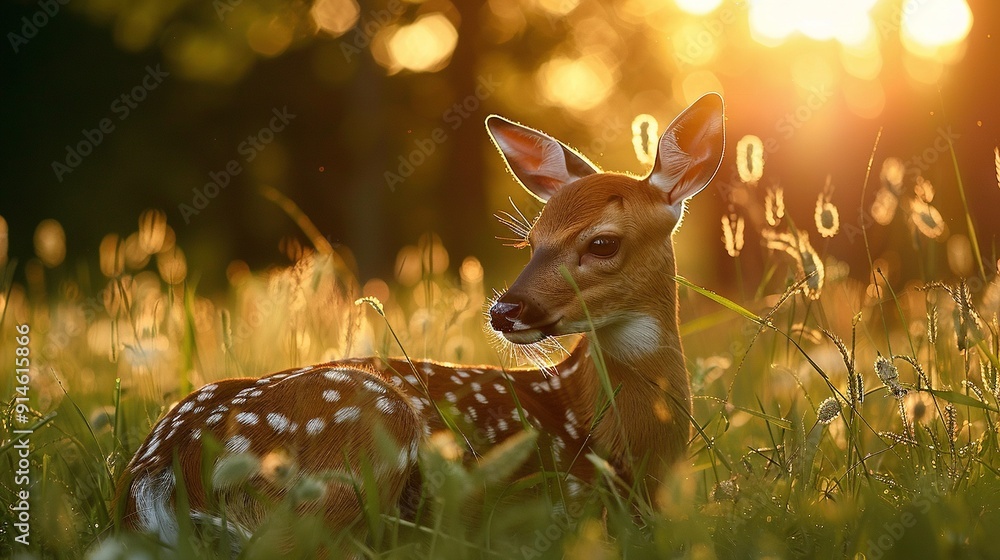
<point x="335" y="17"/>
<point x="424" y="45"/>
<point x="576" y="84"/>
<point x="50" y="243"/>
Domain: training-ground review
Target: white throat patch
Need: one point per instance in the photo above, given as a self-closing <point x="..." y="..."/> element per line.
<point x="632" y="338"/>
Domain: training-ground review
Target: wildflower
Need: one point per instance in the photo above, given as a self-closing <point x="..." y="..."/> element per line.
<point x="732" y="233"/>
<point x="750" y="159"/>
<point x="828" y="411"/>
<point x="927" y="219"/>
<point x="774" y="205"/>
<point x="645" y="132"/>
<point x="889" y="375"/>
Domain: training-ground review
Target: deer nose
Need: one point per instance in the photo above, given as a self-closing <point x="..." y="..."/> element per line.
<point x="503" y="314"/>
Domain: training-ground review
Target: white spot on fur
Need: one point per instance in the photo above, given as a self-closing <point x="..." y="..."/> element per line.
<point x="338" y="376"/>
<point x="571" y="430"/>
<point x="373" y="386"/>
<point x="476" y="387"/>
<point x="384" y="405"/>
<point x="238" y="401"/>
<point x="482" y="398"/>
<point x="347" y="413"/>
<point x="247" y="418"/>
<point x="184" y="408"/>
<point x="277" y="421"/>
<point x="196" y="434"/>
<point x="502" y="425"/>
<point x="450" y="397"/>
<point x="418" y="403"/>
<point x="500" y="388"/>
<point x="237" y="444"/>
<point x="455" y="380"/>
<point x="150" y="449"/>
<point x="315" y="426"/>
<point x="213" y="419"/>
<point x="331" y="395"/>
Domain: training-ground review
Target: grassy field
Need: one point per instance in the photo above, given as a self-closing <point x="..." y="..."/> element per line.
<point x="837" y="416"/>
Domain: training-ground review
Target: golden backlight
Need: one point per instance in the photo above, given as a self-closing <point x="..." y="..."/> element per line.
<point x="924" y="26"/>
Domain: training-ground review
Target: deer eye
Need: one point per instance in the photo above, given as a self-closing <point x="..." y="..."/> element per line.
<point x="604" y="246"/>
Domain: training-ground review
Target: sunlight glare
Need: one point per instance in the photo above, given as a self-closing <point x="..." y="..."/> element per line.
<point x="847" y="21"/>
<point x="698" y="7"/>
<point x="930" y="24"/>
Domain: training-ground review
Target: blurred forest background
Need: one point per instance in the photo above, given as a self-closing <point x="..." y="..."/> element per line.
<point x="369" y="116"/>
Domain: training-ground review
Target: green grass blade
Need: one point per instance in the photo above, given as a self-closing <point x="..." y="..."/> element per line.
<point x="959" y="398"/>
<point x="723" y="301"/>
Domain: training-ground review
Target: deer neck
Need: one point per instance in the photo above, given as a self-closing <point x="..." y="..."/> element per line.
<point x="644" y="362"/>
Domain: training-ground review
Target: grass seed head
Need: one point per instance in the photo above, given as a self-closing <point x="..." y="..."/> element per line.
<point x="774" y="205"/>
<point x="951" y="422"/>
<point x="828" y="411"/>
<point x="827" y="217"/>
<point x="927" y="219"/>
<point x="645" y="136"/>
<point x="889" y="375"/>
<point x="750" y="159"/>
<point x="732" y="233"/>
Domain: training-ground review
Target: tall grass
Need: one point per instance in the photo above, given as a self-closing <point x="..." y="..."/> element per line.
<point x="833" y="418"/>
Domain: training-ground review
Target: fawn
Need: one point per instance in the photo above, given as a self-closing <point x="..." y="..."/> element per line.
<point x="610" y="233"/>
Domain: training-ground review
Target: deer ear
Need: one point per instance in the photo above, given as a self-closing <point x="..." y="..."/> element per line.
<point x="541" y="163"/>
<point x="690" y="151"/>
